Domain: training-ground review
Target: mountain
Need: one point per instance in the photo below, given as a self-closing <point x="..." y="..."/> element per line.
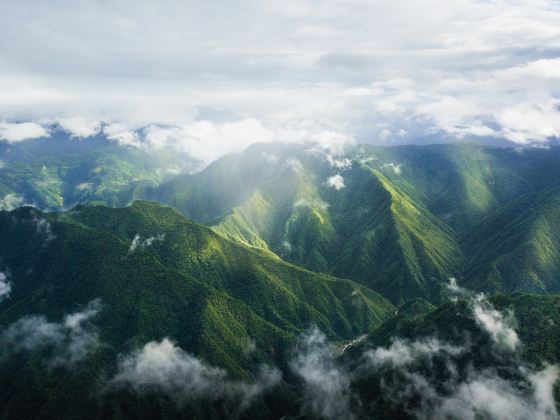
<point x="286" y="199"/>
<point x="518" y="247"/>
<point x="396" y="219"/>
<point x="148" y="274"/>
<point x="59" y="172"/>
<point x="400" y="220"/>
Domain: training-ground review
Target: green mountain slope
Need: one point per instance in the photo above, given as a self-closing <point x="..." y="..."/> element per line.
<point x="279" y="198"/>
<point x="395" y="246"/>
<point x="462" y="183"/>
<point x="231" y="305"/>
<point x="517" y="248"/>
<point x="60" y="172"/>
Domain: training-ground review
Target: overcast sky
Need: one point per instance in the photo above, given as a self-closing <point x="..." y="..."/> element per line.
<point x="233" y="72"/>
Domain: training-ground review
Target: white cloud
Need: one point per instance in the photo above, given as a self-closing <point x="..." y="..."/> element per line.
<point x="137" y="242"/>
<point x="84" y="186"/>
<point x="14" y="132"/>
<point x="336" y="182"/>
<point x="79" y="126"/>
<point x="402" y="353"/>
<point x="326" y="385"/>
<point x="44" y="228"/>
<point x="164" y="367"/>
<point x="468" y="67"/>
<point x="489" y="396"/>
<point x="11" y="201"/>
<point x="5" y="287"/>
<point x="312" y="203"/>
<point x="500" y="327"/>
<point x="396" y="168"/>
<point x="67" y="342"/>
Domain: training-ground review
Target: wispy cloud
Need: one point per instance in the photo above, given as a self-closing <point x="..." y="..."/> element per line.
<point x="165" y="368"/>
<point x="5" y="287"/>
<point x="11" y="201"/>
<point x="66" y="342"/>
<point x="431" y="377"/>
<point x="326" y="384"/>
<point x="336" y="182"/>
<point x="137" y="242"/>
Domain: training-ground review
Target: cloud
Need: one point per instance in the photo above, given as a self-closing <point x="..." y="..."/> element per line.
<point x="344" y="163"/>
<point x="5" y="287"/>
<point x="336" y="182"/>
<point x="137" y="242"/>
<point x="433" y="381"/>
<point x="44" y="228"/>
<point x="11" y="201"/>
<point x="15" y="132"/>
<point x="79" y="126"/>
<point x="489" y="396"/>
<point x="84" y="186"/>
<point x="66" y="342"/>
<point x="500" y="327"/>
<point x="428" y="378"/>
<point x="164" y="367"/>
<point x="402" y="353"/>
<point x="396" y="168"/>
<point x="467" y="67"/>
<point x="312" y="203"/>
<point x="431" y="378"/>
<point x="326" y="384"/>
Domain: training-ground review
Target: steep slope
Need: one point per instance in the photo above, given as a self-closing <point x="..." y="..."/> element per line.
<point x="329" y="214"/>
<point x="392" y="244"/>
<point x="154" y="275"/>
<point x="462" y="183"/>
<point x="255" y="276"/>
<point x="518" y="248"/>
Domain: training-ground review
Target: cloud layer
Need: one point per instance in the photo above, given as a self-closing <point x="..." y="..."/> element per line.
<point x="221" y="75"/>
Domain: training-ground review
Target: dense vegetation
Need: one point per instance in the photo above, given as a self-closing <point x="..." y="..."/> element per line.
<point x="402" y="222"/>
<point x="234" y="306"/>
<point x="258" y="249"/>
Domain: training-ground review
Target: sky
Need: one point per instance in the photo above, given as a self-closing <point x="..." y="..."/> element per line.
<point x="219" y="75"/>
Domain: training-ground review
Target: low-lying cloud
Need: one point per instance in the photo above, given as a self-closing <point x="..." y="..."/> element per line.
<point x="5" y="287"/>
<point x="431" y="377"/>
<point x="44" y="229"/>
<point x="63" y="343"/>
<point x="500" y="327"/>
<point x="336" y="182"/>
<point x="165" y="368"/>
<point x="137" y="242"/>
<point x="396" y="168"/>
<point x="401" y="352"/>
<point x="15" y="132"/>
<point x="326" y="385"/>
<point x="11" y="201"/>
